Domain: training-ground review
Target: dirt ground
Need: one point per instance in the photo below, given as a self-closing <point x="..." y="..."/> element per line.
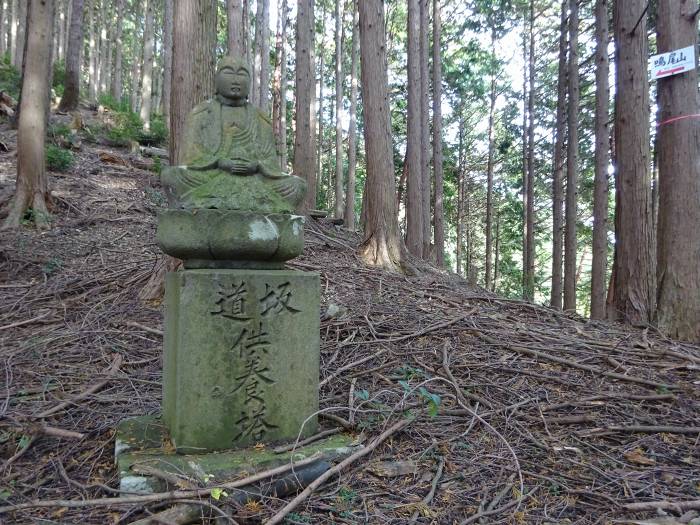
<point x="505" y="412"/>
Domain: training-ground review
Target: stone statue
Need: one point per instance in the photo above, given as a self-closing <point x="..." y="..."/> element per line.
<point x="230" y="159"/>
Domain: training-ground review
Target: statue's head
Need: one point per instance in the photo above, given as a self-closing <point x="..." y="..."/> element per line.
<point x="233" y="78"/>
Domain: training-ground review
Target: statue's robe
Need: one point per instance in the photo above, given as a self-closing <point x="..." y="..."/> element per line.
<point x="217" y="132"/>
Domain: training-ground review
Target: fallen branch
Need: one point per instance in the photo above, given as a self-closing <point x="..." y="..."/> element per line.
<point x="159" y="496"/>
<point x="145" y="328"/>
<point x="681" y="506"/>
<point x="433" y="488"/>
<point x="645" y="429"/>
<point x="111" y="371"/>
<point x="27" y="321"/>
<point x="303" y="442"/>
<point x="277" y="518"/>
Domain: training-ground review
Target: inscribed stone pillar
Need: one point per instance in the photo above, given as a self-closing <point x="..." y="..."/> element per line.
<point x="241" y="358"/>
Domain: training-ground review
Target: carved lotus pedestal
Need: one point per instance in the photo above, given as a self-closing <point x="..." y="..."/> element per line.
<point x="241" y="348"/>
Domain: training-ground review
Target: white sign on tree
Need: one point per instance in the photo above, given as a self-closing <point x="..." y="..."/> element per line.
<point x="672" y="63"/>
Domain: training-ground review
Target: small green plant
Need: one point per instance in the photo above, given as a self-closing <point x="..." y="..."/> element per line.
<point x="157" y="134"/>
<point x="157" y="165"/>
<point x="127" y="128"/>
<point x="52" y="265"/>
<point x="433" y="401"/>
<point x="10" y="79"/>
<point x="58" y="131"/>
<point x="155" y="197"/>
<point x="58" y="159"/>
<point x="109" y="102"/>
<point x="59" y="77"/>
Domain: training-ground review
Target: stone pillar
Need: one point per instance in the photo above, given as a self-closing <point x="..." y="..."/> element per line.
<point x="241" y="362"/>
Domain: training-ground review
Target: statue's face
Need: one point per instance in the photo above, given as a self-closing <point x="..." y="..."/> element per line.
<point x="233" y="83"/>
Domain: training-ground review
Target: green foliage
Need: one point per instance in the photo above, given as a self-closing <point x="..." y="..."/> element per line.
<point x="126" y="129"/>
<point x="59" y="131"/>
<point x="157" y="135"/>
<point x="59" y="77"/>
<point x="155" y="197"/>
<point x="58" y="159"/>
<point x="10" y="78"/>
<point x="111" y="103"/>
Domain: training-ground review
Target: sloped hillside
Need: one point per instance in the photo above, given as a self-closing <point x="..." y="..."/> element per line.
<point x="493" y="410"/>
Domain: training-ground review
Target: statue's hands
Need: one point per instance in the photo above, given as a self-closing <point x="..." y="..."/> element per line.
<point x="240" y="167"/>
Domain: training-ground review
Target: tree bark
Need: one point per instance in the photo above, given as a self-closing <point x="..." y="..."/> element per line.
<point x="237" y="41"/>
<point x="31" y="190"/>
<point x="136" y="57"/>
<point x="678" y="313"/>
<point x="439" y="209"/>
<point x="147" y="71"/>
<point x="602" y="160"/>
<point x="319" y="117"/>
<point x="304" y="143"/>
<point x="414" y="183"/>
<point x="71" y="93"/>
<point x="167" y="58"/>
<point x="338" y="108"/>
<point x="530" y="211"/>
<point x="194" y="61"/>
<point x="382" y="245"/>
<point x="349" y="218"/>
<point x="571" y="164"/>
<point x="424" y="126"/>
<point x="558" y="168"/>
<point x="634" y="267"/>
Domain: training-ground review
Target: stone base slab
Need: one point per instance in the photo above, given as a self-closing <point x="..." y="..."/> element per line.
<point x="143" y="446"/>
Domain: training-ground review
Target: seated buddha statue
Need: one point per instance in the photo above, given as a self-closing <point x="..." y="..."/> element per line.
<point x="230" y="160"/>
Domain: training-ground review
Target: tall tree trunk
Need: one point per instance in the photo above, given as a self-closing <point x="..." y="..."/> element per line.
<point x="116" y="84"/>
<point x="634" y="268"/>
<point x="678" y="313"/>
<point x="571" y="164"/>
<point x="338" y="108"/>
<point x="264" y="52"/>
<point x="194" y="61"/>
<point x="14" y="20"/>
<point x="71" y="93"/>
<point x="460" y="192"/>
<point x="530" y="211"/>
<point x="414" y="183"/>
<point x="349" y="218"/>
<point x="439" y="209"/>
<point x="237" y="41"/>
<point x="167" y="58"/>
<point x="497" y="250"/>
<point x="526" y="193"/>
<point x="147" y="71"/>
<point x="31" y="189"/>
<point x="279" y="106"/>
<point x="424" y="126"/>
<point x="382" y="244"/>
<point x="104" y="47"/>
<point x="22" y="12"/>
<point x="319" y="116"/>
<point x="602" y="160"/>
<point x="489" y="166"/>
<point x="304" y="150"/>
<point x="92" y="50"/>
<point x="558" y="168"/>
<point x="3" y="26"/>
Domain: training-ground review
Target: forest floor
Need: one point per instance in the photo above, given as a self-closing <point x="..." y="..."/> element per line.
<point x="518" y="413"/>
